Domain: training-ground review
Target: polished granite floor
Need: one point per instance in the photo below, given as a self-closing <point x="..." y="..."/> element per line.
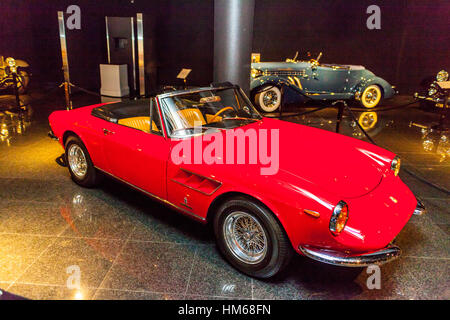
<point x="126" y="246"/>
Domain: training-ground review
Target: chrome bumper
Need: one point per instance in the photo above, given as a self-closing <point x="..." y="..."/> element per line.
<point x="341" y="259"/>
<point x="420" y="208"/>
<point x="52" y="135"/>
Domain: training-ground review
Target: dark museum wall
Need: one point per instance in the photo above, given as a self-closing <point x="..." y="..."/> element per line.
<point x="413" y="41"/>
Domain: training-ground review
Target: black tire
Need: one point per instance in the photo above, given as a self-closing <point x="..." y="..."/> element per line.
<point x="92" y="177"/>
<point x="279" y="250"/>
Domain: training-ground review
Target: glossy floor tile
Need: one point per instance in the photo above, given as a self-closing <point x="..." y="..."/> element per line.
<point x="61" y="241"/>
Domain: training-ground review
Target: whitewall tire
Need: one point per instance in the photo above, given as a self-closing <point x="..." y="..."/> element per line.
<point x="268" y="98"/>
<point x="371" y="96"/>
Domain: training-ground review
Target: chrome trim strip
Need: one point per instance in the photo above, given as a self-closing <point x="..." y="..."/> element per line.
<point x="201" y="176"/>
<point x="190" y="214"/>
<point x="340" y="259"/>
<point x="193" y="90"/>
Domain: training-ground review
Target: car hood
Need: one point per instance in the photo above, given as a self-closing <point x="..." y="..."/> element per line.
<point x="338" y="164"/>
<point x="300" y="65"/>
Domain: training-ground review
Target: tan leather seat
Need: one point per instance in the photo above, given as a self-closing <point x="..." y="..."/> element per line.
<point x="192" y="116"/>
<point x="140" y="123"/>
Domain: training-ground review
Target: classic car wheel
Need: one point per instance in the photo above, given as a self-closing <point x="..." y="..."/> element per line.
<point x="251" y="238"/>
<point x="371" y="96"/>
<point x="80" y="164"/>
<point x="268" y="98"/>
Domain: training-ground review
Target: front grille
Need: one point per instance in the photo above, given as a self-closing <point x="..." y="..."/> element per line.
<point x="284" y="73"/>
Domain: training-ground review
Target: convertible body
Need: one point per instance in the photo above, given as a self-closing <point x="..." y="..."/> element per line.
<point x="305" y="80"/>
<point x="316" y="170"/>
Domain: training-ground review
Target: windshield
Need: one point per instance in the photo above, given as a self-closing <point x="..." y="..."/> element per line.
<point x="186" y="114"/>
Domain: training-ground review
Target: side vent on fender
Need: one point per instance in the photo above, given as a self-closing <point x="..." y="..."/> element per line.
<point x="204" y="185"/>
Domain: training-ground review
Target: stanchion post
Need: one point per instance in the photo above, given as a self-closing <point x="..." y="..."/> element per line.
<point x="16" y="90"/>
<point x="67" y="96"/>
<point x="443" y="114"/>
<point x="65" y="59"/>
<point x="339" y="116"/>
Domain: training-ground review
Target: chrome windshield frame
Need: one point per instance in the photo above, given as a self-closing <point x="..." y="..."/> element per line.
<point x="161" y="97"/>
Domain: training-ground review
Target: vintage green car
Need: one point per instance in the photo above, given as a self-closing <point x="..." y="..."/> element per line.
<point x="276" y="83"/>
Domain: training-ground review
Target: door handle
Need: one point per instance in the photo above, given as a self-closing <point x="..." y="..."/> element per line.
<point x="107" y="132"/>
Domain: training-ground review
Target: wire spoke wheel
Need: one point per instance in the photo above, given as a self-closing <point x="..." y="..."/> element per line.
<point x="269" y="99"/>
<point x="245" y="237"/>
<point x="77" y="161"/>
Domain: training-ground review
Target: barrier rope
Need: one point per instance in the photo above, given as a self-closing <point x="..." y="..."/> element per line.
<point x="350" y="111"/>
<point x="92" y="92"/>
<point x="444" y="190"/>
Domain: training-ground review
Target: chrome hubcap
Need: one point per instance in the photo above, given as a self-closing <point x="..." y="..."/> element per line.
<point x="371" y="96"/>
<point x="245" y="237"/>
<point x="270" y="98"/>
<point x="77" y="161"/>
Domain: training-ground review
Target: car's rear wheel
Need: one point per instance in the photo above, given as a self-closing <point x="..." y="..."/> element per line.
<point x="250" y="238"/>
<point x="269" y="98"/>
<point x="371" y="96"/>
<point x="79" y="162"/>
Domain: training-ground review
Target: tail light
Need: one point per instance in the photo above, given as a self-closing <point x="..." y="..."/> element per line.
<point x="339" y="218"/>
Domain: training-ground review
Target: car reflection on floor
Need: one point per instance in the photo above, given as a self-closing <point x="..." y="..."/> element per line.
<point x="14" y="123"/>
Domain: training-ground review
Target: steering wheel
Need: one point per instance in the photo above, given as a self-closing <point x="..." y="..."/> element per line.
<point x="219" y="113"/>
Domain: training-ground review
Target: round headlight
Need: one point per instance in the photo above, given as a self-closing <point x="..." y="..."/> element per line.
<point x="442" y="76"/>
<point x="432" y="91"/>
<point x="10" y="62"/>
<point x="339" y="218"/>
<point x="395" y="165"/>
<point x="255" y="73"/>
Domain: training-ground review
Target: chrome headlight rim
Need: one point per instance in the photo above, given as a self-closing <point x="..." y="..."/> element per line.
<point x="432" y="90"/>
<point x="255" y="73"/>
<point x="10" y="62"/>
<point x="395" y="165"/>
<point x="335" y="216"/>
<point x="442" y="76"/>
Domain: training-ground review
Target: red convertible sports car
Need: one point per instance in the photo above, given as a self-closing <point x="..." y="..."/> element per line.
<point x="268" y="187"/>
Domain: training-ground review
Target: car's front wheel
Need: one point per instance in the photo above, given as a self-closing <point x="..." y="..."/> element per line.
<point x="269" y="98"/>
<point x="250" y="238"/>
<point x="79" y="162"/>
<point x="371" y="96"/>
